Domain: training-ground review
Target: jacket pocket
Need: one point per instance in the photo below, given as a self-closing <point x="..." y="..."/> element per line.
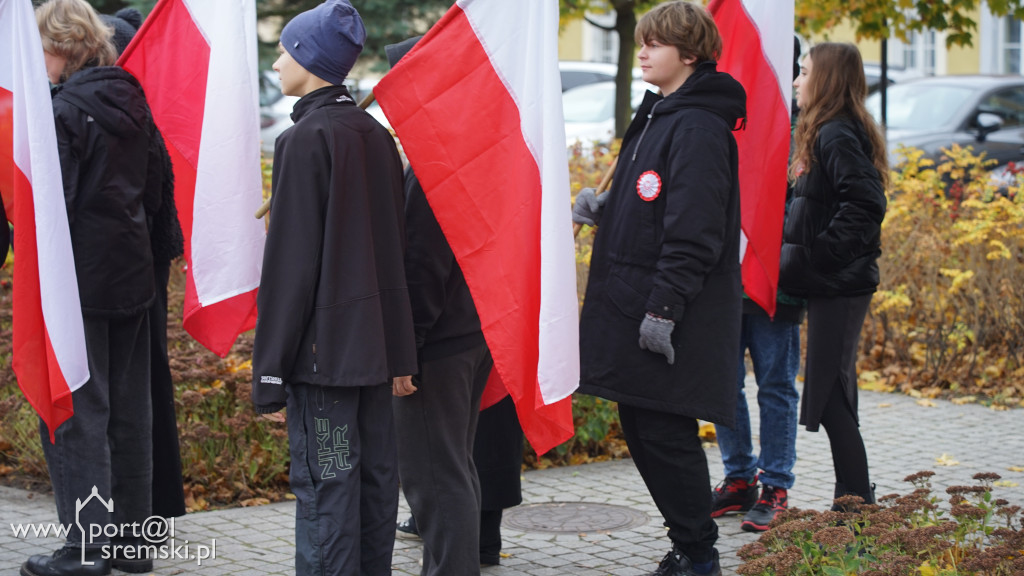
<point x="626" y="298"/>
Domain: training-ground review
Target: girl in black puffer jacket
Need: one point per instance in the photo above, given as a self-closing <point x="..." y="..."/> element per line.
<point x="831" y="244"/>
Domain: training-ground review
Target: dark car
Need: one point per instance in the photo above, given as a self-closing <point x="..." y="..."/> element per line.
<point x="984" y="112"/>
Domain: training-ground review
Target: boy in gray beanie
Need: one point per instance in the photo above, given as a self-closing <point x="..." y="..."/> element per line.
<point x="334" y="337"/>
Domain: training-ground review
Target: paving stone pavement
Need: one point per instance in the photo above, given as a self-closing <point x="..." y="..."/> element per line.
<point x="902" y="437"/>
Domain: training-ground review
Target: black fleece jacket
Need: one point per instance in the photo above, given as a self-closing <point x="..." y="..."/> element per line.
<point x="333" y="303"/>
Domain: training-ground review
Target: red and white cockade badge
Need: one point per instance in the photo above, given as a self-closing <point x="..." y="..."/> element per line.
<point x="648" y="185"/>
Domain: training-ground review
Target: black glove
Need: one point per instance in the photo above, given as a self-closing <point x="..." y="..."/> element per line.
<point x="588" y="206"/>
<point x="656" y="336"/>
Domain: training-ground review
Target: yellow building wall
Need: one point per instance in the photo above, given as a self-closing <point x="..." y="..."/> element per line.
<point x="964" y="60"/>
<point x="959" y="59"/>
<point x="570" y="41"/>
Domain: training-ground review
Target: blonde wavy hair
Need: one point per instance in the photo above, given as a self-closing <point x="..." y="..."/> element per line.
<point x="72" y="29"/>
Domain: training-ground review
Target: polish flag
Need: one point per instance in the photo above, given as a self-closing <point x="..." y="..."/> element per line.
<point x="477" y="105"/>
<point x="196" y="60"/>
<point x="49" y="339"/>
<point x="757" y="37"/>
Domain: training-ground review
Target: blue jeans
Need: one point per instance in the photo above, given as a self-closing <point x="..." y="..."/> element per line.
<point x="775" y="353"/>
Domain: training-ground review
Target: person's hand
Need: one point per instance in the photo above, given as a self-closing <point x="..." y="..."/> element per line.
<point x="656" y="336"/>
<point x="274" y="416"/>
<point x="588" y="207"/>
<point x="402" y="386"/>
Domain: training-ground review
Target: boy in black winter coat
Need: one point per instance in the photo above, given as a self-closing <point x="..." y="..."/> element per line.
<point x="334" y="337"/>
<point x="659" y="330"/>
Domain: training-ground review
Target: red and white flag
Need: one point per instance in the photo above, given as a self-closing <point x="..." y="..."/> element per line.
<point x="477" y="105"/>
<point x="197" y="61"/>
<point x="49" y="339"/>
<point x="757" y="38"/>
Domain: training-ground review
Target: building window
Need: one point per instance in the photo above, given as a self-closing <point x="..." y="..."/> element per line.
<point x="919" y="52"/>
<point x="602" y="45"/>
<point x="1011" y="53"/>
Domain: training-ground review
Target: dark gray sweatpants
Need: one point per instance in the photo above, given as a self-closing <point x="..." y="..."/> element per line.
<point x="107" y="444"/>
<point x="436" y="429"/>
<point x="345" y="479"/>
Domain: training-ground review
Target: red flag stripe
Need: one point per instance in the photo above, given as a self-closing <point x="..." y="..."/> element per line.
<point x="171" y="57"/>
<point x="763" y="149"/>
<point x="39" y="375"/>
<point x="480" y="184"/>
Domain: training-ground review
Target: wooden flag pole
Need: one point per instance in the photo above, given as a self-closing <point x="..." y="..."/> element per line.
<point x="265" y="207"/>
<point x="605" y="182"/>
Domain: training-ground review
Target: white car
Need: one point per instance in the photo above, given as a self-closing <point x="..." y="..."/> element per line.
<point x="589" y="111"/>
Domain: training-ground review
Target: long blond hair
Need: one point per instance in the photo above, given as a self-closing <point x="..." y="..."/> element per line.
<point x="836" y="87"/>
<point x="72" y="29"/>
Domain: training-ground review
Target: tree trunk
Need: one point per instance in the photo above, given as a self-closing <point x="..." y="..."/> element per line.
<point x="625" y="26"/>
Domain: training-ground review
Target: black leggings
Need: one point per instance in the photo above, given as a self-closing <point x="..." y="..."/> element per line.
<point x="848" y="454"/>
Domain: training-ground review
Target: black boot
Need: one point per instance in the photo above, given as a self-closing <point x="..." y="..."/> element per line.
<point x="67" y="562"/>
<point x="132" y="555"/>
<point x="839" y="492"/>
<point x="490" y="537"/>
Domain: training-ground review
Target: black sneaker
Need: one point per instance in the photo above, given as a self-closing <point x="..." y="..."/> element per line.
<point x="408" y="526"/>
<point x="733" y="495"/>
<point x="675" y="563"/>
<point x="772" y="501"/>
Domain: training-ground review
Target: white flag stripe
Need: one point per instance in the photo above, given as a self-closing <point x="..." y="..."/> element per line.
<point x="522" y="43"/>
<point x="35" y="154"/>
<point x="774" y="21"/>
<point x="227" y="242"/>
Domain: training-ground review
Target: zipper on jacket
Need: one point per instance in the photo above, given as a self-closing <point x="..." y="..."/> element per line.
<point x="314" y="358"/>
<point x="650" y="116"/>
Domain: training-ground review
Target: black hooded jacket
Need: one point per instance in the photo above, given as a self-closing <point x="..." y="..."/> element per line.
<point x="113" y="175"/>
<point x="333" y="302"/>
<point x="668" y="244"/>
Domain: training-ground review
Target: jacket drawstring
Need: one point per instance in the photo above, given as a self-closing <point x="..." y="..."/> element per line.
<point x="650" y="116"/>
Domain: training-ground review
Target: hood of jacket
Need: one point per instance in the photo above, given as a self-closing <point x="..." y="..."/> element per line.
<point x="110" y="95"/>
<point x="706" y="89"/>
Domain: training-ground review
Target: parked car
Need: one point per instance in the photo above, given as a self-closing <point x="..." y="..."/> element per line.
<point x="873" y="74"/>
<point x="984" y="112"/>
<point x="575" y="73"/>
<point x="590" y="111"/>
<point x="275" y="110"/>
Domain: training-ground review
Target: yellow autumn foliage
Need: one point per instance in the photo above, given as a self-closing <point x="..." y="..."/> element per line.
<point x="949" y="313"/>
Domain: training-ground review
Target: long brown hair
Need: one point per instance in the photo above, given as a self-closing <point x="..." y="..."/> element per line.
<point x="835" y="87"/>
<point x="73" y="30"/>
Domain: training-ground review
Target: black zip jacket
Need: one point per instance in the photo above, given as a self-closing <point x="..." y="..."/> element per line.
<point x="333" y="304"/>
<point x="832" y="237"/>
<point x="669" y="244"/>
<point x="112" y="174"/>
<point x="442" y="308"/>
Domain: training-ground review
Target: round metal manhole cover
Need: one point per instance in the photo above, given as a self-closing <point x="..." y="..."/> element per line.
<point x="572" y="518"/>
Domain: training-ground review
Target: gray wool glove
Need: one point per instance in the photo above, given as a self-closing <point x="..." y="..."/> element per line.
<point x="656" y="336"/>
<point x="588" y="206"/>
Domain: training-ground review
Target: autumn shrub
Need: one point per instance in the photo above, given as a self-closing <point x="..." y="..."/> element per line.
<point x="229" y="455"/>
<point x="949" y="315"/>
<point x="970" y="534"/>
